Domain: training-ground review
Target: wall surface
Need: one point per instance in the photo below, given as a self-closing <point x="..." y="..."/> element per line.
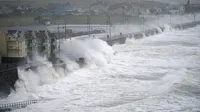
<point x="3" y="45"/>
<point x="17" y="48"/>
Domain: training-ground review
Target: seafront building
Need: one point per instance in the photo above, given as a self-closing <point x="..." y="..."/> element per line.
<point x="19" y="46"/>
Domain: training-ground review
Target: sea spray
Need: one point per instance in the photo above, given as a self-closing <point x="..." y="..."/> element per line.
<point x="96" y="53"/>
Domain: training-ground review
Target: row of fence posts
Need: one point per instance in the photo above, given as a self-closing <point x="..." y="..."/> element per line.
<point x="109" y="24"/>
<point x="126" y="22"/>
<point x="170" y="20"/>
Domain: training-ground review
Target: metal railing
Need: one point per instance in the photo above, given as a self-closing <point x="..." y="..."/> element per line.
<point x="16" y="105"/>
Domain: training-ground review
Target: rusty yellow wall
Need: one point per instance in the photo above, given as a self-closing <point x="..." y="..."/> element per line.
<point x="3" y="44"/>
<point x="17" y="48"/>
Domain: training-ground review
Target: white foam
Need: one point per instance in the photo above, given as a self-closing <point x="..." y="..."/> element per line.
<point x="92" y="50"/>
<point x="95" y="52"/>
<point x="140" y="70"/>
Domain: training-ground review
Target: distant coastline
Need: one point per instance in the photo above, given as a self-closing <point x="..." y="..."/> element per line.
<point x="74" y="20"/>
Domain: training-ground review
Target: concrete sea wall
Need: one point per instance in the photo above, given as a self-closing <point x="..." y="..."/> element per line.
<point x="121" y="39"/>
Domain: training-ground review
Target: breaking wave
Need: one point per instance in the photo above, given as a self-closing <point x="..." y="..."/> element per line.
<point x="95" y="52"/>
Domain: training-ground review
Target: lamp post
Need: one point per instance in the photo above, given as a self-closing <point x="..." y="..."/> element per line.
<point x="109" y="23"/>
<point x="194" y="17"/>
<point x="88" y="24"/>
<point x="89" y="20"/>
<point x="59" y="40"/>
<point x="170" y="19"/>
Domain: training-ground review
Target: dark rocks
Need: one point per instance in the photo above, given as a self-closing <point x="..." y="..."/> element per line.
<point x="81" y="62"/>
<point x="8" y="77"/>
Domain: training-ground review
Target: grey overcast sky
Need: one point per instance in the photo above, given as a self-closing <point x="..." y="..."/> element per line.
<point x="164" y="1"/>
<point x="178" y="1"/>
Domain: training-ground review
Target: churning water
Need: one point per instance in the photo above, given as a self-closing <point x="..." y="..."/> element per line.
<point x="157" y="73"/>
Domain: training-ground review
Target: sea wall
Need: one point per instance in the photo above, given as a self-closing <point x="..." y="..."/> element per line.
<point x="8" y="77"/>
<point x="121" y="39"/>
<point x="9" y="74"/>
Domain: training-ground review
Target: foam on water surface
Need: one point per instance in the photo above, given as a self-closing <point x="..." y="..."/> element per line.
<point x="144" y="75"/>
<point x="157" y="73"/>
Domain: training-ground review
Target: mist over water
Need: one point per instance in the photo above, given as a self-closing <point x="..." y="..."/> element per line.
<point x="150" y="21"/>
<point x="95" y="52"/>
<point x="156" y="73"/>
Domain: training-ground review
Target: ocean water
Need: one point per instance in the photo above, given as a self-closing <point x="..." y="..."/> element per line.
<point x="158" y="73"/>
